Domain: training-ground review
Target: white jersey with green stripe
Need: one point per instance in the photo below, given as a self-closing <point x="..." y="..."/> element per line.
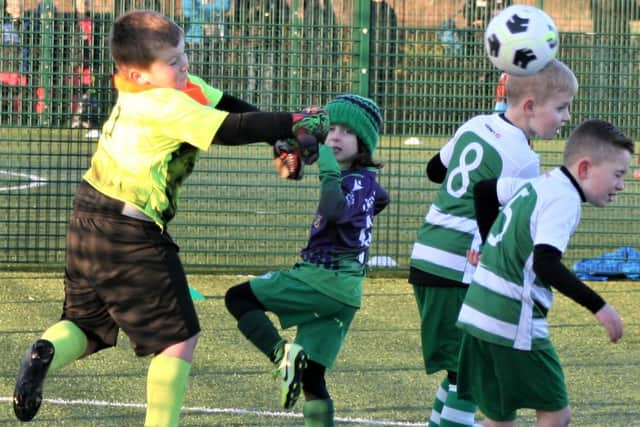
<point x="506" y="304"/>
<point x="149" y="146"/>
<point x="485" y="147"/>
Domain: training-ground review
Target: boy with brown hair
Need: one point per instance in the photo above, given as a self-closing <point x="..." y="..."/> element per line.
<point x="507" y="360"/>
<point x="122" y="267"/>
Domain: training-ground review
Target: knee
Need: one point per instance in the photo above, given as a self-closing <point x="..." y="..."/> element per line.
<point x="560" y="418"/>
<point x="240" y="299"/>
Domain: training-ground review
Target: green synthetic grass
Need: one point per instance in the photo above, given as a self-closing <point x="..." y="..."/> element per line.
<point x="378" y="379"/>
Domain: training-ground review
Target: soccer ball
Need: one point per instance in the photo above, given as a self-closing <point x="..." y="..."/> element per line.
<point x="521" y="40"/>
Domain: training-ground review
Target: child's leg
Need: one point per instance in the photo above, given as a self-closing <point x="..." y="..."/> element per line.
<point x="438" y="403"/>
<point x="560" y="418"/>
<point x="490" y="423"/>
<point x="167" y="382"/>
<point x="253" y="321"/>
<point x="69" y="343"/>
<point x="261" y="332"/>
<point x="318" y="408"/>
<point x="59" y="346"/>
<point x="457" y="412"/>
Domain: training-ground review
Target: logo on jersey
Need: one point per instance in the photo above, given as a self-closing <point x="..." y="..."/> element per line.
<point x="490" y="129"/>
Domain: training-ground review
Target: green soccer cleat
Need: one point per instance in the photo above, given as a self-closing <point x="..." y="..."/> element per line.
<point x="290" y="371"/>
<point x="27" y="395"/>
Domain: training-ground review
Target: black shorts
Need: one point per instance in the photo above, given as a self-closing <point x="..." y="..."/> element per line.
<point x="124" y="273"/>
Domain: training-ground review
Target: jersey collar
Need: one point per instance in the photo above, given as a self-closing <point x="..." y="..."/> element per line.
<point x="123" y="84"/>
<point x="574" y="182"/>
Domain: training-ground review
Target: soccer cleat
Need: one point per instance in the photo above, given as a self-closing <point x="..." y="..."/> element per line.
<point x="290" y="372"/>
<point x="27" y="395"/>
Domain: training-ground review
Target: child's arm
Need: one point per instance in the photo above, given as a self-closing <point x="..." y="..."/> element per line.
<point x="436" y="170"/>
<point x="382" y="200"/>
<point x="247" y="128"/>
<point x="486" y="205"/>
<point x="332" y="202"/>
<point x="235" y="105"/>
<point x="547" y="264"/>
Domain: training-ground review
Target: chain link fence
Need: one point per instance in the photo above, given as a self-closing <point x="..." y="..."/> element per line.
<point x="421" y="60"/>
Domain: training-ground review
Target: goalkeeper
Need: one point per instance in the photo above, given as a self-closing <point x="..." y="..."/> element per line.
<point x="322" y="292"/>
<point x="122" y="267"/>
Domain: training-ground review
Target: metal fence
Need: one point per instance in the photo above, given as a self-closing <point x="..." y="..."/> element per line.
<point x="422" y="60"/>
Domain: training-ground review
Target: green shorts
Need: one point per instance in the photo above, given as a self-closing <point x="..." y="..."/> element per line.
<point x="439" y="308"/>
<point x="502" y="379"/>
<point x="322" y="322"/>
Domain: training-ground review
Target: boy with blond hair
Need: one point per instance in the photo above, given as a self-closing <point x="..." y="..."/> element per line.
<point x="486" y="146"/>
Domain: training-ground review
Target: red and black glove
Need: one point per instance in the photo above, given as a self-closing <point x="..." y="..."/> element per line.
<point x="310" y="127"/>
<point x="287" y="161"/>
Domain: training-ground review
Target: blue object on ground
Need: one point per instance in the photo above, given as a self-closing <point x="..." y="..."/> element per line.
<point x="623" y="263"/>
<point x="195" y="295"/>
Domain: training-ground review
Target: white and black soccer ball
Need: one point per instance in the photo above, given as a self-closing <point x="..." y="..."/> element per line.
<point x="521" y="40"/>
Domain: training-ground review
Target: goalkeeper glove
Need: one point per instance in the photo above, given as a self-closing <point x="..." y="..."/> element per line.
<point x="287" y="161"/>
<point x="309" y="128"/>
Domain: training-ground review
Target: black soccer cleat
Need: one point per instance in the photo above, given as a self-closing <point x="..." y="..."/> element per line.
<point x="27" y="395"/>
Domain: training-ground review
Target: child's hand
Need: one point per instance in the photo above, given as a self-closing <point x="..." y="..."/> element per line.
<point x="287" y="161"/>
<point x="310" y="129"/>
<point x="473" y="257"/>
<point x="611" y="321"/>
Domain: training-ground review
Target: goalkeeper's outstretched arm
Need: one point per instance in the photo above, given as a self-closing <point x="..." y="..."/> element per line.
<point x="247" y="128"/>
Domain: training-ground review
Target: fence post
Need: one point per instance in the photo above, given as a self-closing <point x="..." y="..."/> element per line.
<point x="47" y="33"/>
<point x="296" y="46"/>
<point x="363" y="25"/>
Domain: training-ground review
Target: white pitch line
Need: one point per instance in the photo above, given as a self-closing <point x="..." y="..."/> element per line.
<point x="35" y="181"/>
<point x="232" y="411"/>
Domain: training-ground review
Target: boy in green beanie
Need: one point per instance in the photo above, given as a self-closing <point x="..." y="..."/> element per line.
<point x="322" y="292"/>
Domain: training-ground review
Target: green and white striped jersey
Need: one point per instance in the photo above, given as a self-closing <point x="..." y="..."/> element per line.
<point x="505" y="303"/>
<point x="485" y="147"/>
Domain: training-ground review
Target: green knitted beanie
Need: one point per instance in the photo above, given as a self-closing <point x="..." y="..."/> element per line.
<point x="359" y="114"/>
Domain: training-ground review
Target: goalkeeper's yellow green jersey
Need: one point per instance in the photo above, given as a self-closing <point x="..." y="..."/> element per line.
<point x="150" y="143"/>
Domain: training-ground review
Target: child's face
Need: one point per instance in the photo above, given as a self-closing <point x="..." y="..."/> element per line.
<point x="601" y="181"/>
<point x="547" y="118"/>
<point x="14" y="8"/>
<point x="344" y="143"/>
<point x="170" y="69"/>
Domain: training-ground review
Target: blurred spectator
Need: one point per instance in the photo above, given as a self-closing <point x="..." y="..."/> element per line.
<point x="264" y="25"/>
<point x="385" y="49"/>
<point x="613" y="50"/>
<point x="477" y="14"/>
<point x="320" y="23"/>
<point x="84" y="104"/>
<point x="17" y="41"/>
<point x="205" y="19"/>
<point x="612" y="44"/>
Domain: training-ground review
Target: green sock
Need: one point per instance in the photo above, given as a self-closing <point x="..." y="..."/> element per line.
<point x="259" y="330"/>
<point x="457" y="412"/>
<point x="438" y="403"/>
<point x="69" y="343"/>
<point x="166" y="384"/>
<point x="318" y="413"/>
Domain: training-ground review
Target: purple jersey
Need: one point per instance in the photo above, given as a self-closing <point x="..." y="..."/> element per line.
<point x="341" y="230"/>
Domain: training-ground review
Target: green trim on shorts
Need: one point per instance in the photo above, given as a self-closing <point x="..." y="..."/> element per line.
<point x="501" y="379"/>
